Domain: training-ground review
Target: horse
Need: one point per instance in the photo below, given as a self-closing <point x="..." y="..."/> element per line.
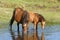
<point x="35" y="18"/>
<point x="21" y="17"/>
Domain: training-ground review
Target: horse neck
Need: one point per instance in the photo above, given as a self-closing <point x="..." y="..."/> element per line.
<point x="41" y="19"/>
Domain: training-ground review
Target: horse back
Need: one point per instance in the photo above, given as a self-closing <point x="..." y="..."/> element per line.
<point x="36" y="18"/>
<point x="31" y="16"/>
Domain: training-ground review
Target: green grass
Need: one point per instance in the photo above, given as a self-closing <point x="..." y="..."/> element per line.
<point x="50" y="10"/>
<point x="52" y="17"/>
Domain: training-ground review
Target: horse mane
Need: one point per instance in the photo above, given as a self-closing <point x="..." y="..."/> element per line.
<point x="25" y="16"/>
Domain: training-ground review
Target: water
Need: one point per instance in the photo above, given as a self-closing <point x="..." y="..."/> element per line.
<point x="51" y="32"/>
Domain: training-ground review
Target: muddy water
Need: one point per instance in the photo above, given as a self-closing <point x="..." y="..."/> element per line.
<point x="51" y="32"/>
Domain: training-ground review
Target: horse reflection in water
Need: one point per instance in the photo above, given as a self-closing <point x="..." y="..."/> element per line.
<point x="35" y="35"/>
<point x="12" y="35"/>
<point x="42" y="36"/>
<point x="26" y="37"/>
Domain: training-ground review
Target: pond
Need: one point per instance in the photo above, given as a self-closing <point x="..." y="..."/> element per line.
<point x="51" y="32"/>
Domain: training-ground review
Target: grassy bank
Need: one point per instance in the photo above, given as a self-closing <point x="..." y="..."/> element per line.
<point x="49" y="9"/>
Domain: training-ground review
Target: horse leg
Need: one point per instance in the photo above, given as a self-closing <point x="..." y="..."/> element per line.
<point x="25" y="27"/>
<point x="42" y="24"/>
<point x="35" y="26"/>
<point x="18" y="27"/>
<point x="11" y="22"/>
<point x="24" y="30"/>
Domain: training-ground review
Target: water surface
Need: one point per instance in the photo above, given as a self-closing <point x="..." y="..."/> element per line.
<point x="51" y="32"/>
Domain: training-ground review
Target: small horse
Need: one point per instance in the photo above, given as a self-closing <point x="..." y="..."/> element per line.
<point x="20" y="16"/>
<point x="35" y="18"/>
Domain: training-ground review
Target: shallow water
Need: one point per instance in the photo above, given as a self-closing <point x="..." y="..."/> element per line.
<point x="51" y="32"/>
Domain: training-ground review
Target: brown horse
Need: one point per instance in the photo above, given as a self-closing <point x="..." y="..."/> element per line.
<point x="35" y="18"/>
<point x="20" y="16"/>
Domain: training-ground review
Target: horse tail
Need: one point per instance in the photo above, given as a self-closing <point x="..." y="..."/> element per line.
<point x="12" y="19"/>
